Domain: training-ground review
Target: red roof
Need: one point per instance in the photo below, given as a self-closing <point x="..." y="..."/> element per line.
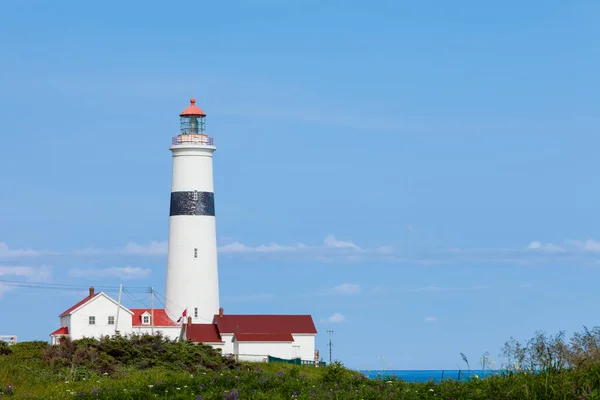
<point x="82" y="302"/>
<point x="61" y="331"/>
<point x="264" y="337"/>
<point x="160" y="317"/>
<point x="192" y="110"/>
<point x="206" y="333"/>
<point x="265" y="324"/>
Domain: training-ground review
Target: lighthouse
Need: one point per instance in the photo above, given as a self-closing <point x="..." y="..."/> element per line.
<point x="192" y="273"/>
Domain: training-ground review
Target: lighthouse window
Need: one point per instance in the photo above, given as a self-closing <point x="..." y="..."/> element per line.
<point x="195" y="253"/>
<point x="196" y="312"/>
<point x="195" y="196"/>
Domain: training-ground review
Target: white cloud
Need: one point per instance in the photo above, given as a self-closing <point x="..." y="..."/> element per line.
<point x="335" y="318"/>
<point x="435" y="289"/>
<point x="430" y="289"/>
<point x="7" y="252"/>
<point x="249" y="298"/>
<point x="31" y="275"/>
<point x="586" y="245"/>
<point x="547" y="247"/>
<point x="337" y="251"/>
<point x="114" y="272"/>
<point x="345" y="289"/>
<point x="17" y="271"/>
<point x="237" y="247"/>
<point x="430" y="319"/>
<point x="331" y="241"/>
<point x="153" y="248"/>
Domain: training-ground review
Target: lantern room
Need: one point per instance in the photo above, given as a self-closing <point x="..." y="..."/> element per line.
<point x="192" y="120"/>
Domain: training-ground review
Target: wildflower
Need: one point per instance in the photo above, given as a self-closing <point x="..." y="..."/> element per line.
<point x="9" y="388"/>
<point x="150" y="386"/>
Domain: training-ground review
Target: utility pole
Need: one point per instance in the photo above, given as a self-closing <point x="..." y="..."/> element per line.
<point x="152" y="328"/>
<point x="330" y="345"/>
<point x="118" y="308"/>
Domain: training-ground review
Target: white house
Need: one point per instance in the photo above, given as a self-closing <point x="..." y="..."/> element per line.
<point x="96" y="315"/>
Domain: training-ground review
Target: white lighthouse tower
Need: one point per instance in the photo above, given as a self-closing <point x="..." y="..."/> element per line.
<point x="192" y="273"/>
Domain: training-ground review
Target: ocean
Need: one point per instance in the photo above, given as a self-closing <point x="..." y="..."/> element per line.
<point x="424" y="375"/>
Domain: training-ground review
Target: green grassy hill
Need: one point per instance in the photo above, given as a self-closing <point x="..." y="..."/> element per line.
<point x="151" y="367"/>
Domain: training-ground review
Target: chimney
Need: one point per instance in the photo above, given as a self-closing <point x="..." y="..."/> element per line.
<point x="91" y="291"/>
<point x="220" y="312"/>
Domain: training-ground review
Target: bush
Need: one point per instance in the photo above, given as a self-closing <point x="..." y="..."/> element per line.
<point x="4" y="348"/>
<point x="145" y="351"/>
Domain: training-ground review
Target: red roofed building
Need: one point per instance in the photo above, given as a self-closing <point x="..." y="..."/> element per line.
<point x="247" y="337"/>
<point x="98" y="315"/>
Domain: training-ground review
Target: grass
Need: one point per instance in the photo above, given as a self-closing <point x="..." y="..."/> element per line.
<point x="146" y="367"/>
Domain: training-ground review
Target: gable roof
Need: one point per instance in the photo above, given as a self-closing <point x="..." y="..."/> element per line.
<point x="265" y="324"/>
<point x="206" y="333"/>
<point x="263" y="337"/>
<point x="61" y="331"/>
<point x="87" y="299"/>
<point x="160" y="317"/>
<point x="79" y="304"/>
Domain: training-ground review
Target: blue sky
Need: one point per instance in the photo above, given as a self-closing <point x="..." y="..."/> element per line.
<point x="418" y="176"/>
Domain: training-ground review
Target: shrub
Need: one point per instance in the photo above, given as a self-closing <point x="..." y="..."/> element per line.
<point x="140" y="351"/>
<point x="4" y="348"/>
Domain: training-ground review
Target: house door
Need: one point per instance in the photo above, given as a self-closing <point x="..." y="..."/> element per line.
<point x="296" y="352"/>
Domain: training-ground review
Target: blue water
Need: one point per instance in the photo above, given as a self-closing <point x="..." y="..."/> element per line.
<point x="424" y="375"/>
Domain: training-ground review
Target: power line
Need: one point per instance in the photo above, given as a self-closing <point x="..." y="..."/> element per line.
<point x="177" y="305"/>
<point x="134" y="298"/>
<point x="65" y="287"/>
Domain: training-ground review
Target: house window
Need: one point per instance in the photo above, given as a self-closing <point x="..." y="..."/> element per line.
<point x="195" y="253"/>
<point x="146" y="319"/>
<point x="196" y="312"/>
<point x="111" y="320"/>
<point x="92" y="320"/>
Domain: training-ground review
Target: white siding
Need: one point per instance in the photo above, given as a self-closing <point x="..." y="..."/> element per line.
<point x="259" y="351"/>
<point x="171" y="332"/>
<point x="101" y="308"/>
<point x="305" y="342"/>
<point x="307" y="346"/>
<point x="228" y="345"/>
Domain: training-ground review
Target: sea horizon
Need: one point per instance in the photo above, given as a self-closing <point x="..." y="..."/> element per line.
<point x="424" y="375"/>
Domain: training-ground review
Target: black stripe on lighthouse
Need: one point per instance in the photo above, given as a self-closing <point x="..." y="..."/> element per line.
<point x="192" y="203"/>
